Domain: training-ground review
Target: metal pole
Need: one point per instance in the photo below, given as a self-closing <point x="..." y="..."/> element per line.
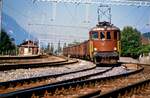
<point x="109" y="14"/>
<point x="0" y="21"/>
<point x="98" y="12"/>
<point x="39" y="47"/>
<point x="54" y="5"/>
<point x="1" y="2"/>
<point x="87" y="13"/>
<point x="28" y="20"/>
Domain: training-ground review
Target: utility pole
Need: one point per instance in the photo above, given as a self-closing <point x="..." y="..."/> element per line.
<point x="54" y="5"/>
<point x="148" y="24"/>
<point x="39" y="50"/>
<point x="87" y="13"/>
<point x="1" y="2"/>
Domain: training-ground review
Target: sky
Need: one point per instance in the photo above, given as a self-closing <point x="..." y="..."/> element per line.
<point x="70" y="22"/>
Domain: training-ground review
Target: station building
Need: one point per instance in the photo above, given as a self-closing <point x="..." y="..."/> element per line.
<point x="28" y="48"/>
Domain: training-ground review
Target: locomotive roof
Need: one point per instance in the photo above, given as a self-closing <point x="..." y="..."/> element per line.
<point x="104" y="26"/>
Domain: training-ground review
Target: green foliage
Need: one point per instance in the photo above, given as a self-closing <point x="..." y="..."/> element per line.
<point x="74" y="43"/>
<point x="6" y="43"/>
<point x="50" y="48"/>
<point x="59" y="48"/>
<point x="130" y="42"/>
<point x="145" y="49"/>
<point x="65" y="45"/>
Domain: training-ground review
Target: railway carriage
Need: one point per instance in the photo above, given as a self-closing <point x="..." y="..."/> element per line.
<point x="103" y="46"/>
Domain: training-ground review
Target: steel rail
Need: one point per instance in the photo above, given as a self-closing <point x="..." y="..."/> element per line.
<point x="19" y="57"/>
<point x="121" y="91"/>
<point x="117" y="93"/>
<point x="57" y="86"/>
<point x="40" y="78"/>
<point x="62" y="82"/>
<point x="35" y="65"/>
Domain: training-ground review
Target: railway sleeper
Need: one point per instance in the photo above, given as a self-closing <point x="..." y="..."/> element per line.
<point x="55" y="88"/>
<point x="129" y="90"/>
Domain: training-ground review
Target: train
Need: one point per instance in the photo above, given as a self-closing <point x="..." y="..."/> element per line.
<point x="102" y="47"/>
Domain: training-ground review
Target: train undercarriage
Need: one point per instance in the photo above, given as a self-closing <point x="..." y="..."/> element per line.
<point x="106" y="58"/>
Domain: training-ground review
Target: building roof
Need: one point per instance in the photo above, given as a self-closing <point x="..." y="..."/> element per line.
<point x="145" y="41"/>
<point x="29" y="43"/>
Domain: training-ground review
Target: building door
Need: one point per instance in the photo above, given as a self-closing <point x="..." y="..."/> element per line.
<point x="26" y="51"/>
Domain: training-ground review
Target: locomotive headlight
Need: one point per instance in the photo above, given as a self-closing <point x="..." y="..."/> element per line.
<point x="115" y="48"/>
<point x="95" y="49"/>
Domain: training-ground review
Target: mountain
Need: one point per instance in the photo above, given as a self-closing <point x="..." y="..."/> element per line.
<point x="147" y="35"/>
<point x="13" y="29"/>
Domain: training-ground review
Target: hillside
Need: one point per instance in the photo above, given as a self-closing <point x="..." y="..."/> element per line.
<point x="147" y="35"/>
<point x="13" y="29"/>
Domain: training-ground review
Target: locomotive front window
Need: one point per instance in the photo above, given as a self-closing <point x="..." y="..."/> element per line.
<point x="102" y="35"/>
<point x="108" y="35"/>
<point x="94" y="35"/>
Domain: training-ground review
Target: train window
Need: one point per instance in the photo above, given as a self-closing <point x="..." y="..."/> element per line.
<point x="108" y="35"/>
<point x="102" y="35"/>
<point x="94" y="35"/>
<point x="115" y="35"/>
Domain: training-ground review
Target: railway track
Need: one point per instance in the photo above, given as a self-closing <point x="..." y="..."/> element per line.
<point x="60" y="88"/>
<point x="15" y="85"/>
<point x="134" y="86"/>
<point x="4" y="67"/>
<point x="137" y="86"/>
<point x="19" y="57"/>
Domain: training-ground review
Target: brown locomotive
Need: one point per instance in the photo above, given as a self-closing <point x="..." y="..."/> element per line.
<point x="103" y="46"/>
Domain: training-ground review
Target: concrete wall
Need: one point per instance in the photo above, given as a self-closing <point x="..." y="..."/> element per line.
<point x="145" y="60"/>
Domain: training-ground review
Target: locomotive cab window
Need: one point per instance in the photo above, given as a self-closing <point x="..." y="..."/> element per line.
<point x="94" y="35"/>
<point x="118" y="36"/>
<point x="102" y="35"/>
<point x="115" y="35"/>
<point x="108" y="35"/>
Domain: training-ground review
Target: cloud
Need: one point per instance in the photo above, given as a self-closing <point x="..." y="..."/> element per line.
<point x="11" y="32"/>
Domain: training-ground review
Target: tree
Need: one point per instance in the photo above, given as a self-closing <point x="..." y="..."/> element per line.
<point x="42" y="50"/>
<point x="52" y="48"/>
<point x="145" y="49"/>
<point x="6" y="43"/>
<point x="74" y="43"/>
<point x="48" y="48"/>
<point x="65" y="45"/>
<point x="59" y="49"/>
<point x="130" y="42"/>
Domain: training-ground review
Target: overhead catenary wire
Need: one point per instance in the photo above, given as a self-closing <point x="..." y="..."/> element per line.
<point x="141" y="18"/>
<point x="78" y="27"/>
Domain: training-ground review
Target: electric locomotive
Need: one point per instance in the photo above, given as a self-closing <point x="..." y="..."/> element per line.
<point x="103" y="46"/>
<point x="105" y="43"/>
